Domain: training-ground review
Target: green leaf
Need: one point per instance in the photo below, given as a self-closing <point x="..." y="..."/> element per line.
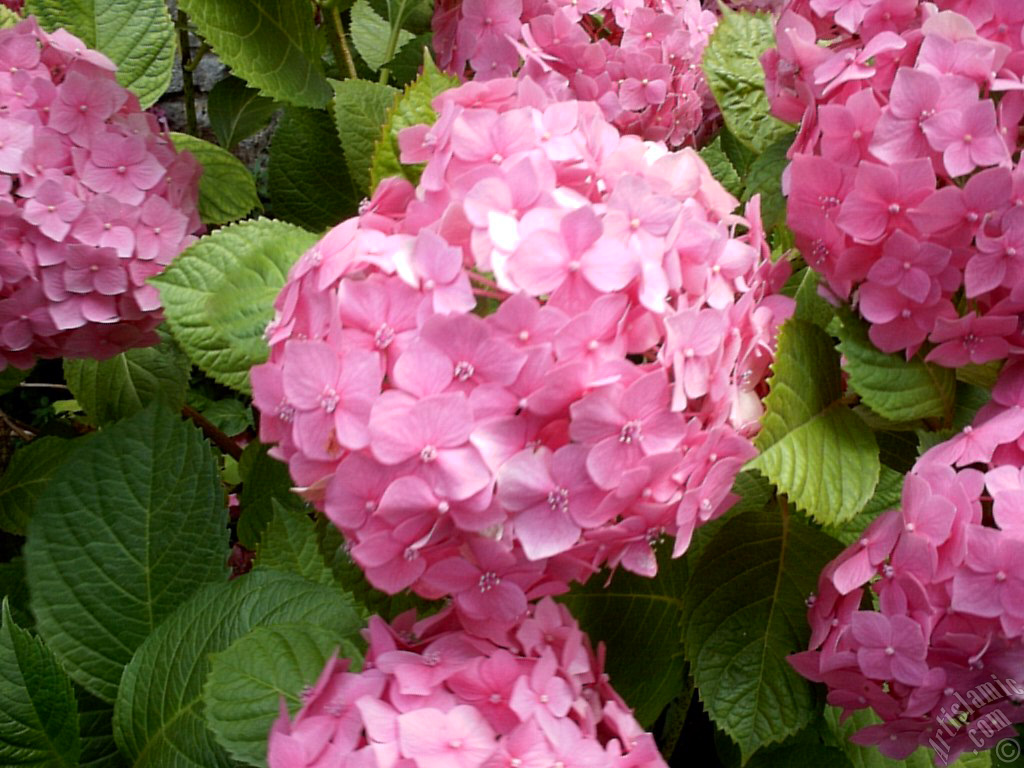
<point x="133" y="524"/>
<point x="412" y="108"/>
<point x="371" y="33"/>
<point x="765" y="179"/>
<point x="159" y="717"/>
<point x="237" y="111"/>
<point x="800" y="755"/>
<point x="290" y="543"/>
<point x="638" y="619"/>
<point x="38" y="719"/>
<point x="265" y="480"/>
<point x="754" y="492"/>
<point x="984" y="375"/>
<point x="271" y="44"/>
<point x="360" y="109"/>
<point x="108" y="390"/>
<point x="8" y="18"/>
<point x="31" y="469"/>
<point x="721" y="167"/>
<point x="406" y="64"/>
<point x="892" y="386"/>
<point x="249" y="678"/>
<point x="813" y="448"/>
<point x="137" y="35"/>
<point x="14" y="587"/>
<point x="307" y="175"/>
<point x="219" y="295"/>
<point x="230" y="416"/>
<point x="96" y="722"/>
<point x="887" y="496"/>
<point x="733" y="69"/>
<point x="11" y="377"/>
<point x="810" y="307"/>
<point x="740" y="155"/>
<point x="744" y="612"/>
<point x="227" y="191"/>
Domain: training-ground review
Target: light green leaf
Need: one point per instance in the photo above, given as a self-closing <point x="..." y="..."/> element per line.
<point x="984" y="375"/>
<point x="237" y="111"/>
<point x="721" y="167"/>
<point x="892" y="386"/>
<point x="271" y="44"/>
<point x="137" y="35"/>
<point x="38" y="719"/>
<point x="159" y="717"/>
<point x="733" y="69"/>
<point x="371" y="32"/>
<point x="31" y="468"/>
<point x="638" y="619"/>
<point x="290" y="543"/>
<point x="249" y="678"/>
<point x="307" y="175"/>
<point x="123" y="385"/>
<point x="412" y="108"/>
<point x="8" y="18"/>
<point x="227" y="191"/>
<point x="133" y="524"/>
<point x="810" y="307"/>
<point x="360" y="109"/>
<point x="265" y="480"/>
<point x="219" y="295"/>
<point x="744" y="612"/>
<point x="813" y="448"/>
<point x="765" y="179"/>
<point x="96" y="722"/>
<point x="887" y="496"/>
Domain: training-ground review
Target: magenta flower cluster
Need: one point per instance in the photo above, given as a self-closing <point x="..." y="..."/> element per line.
<point x="545" y="358"/>
<point x="94" y="199"/>
<point x="940" y="659"/>
<point x="903" y="189"/>
<point x="433" y="694"/>
<point x="638" y="59"/>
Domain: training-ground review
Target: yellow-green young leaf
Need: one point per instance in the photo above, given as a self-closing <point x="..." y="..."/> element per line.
<point x="248" y="680"/>
<point x="108" y="390"/>
<point x="137" y="35"/>
<point x="371" y="32"/>
<point x="360" y="109"/>
<point x="133" y="524"/>
<point x="638" y="619"/>
<point x="227" y="191"/>
<point x="733" y="69"/>
<point x="219" y="295"/>
<point x="412" y="108"/>
<point x="744" y="612"/>
<point x="892" y="386"/>
<point x="38" y="716"/>
<point x="271" y="44"/>
<point x="8" y="18"/>
<point x="26" y="477"/>
<point x="814" y="449"/>
<point x="159" y="716"/>
<point x="307" y="176"/>
<point x="237" y="111"/>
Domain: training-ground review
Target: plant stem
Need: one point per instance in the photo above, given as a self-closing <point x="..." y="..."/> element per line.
<point x="389" y="52"/>
<point x="342" y="44"/>
<point x="187" y="85"/>
<point x="218" y="438"/>
<point x="202" y="51"/>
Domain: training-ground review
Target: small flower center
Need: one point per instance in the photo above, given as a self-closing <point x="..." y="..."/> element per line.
<point x="428" y="454"/>
<point x="464" y="370"/>
<point x="489" y="581"/>
<point x="630" y="433"/>
<point x="558" y="500"/>
<point x="384" y="336"/>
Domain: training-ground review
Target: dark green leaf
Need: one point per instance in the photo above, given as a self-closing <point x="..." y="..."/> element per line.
<point x="744" y="613"/>
<point x="308" y="178"/>
<point x="137" y="35"/>
<point x="159" y="718"/>
<point x="290" y="543"/>
<point x="227" y="191"/>
<point x="10" y="378"/>
<point x="360" y="108"/>
<point x="265" y="480"/>
<point x="14" y="587"/>
<point x="271" y="44"/>
<point x="765" y="179"/>
<point x="370" y="34"/>
<point x="231" y="417"/>
<point x="26" y="477"/>
<point x="38" y="719"/>
<point x="96" y="721"/>
<point x="219" y="295"/>
<point x="134" y="523"/>
<point x="237" y="111"/>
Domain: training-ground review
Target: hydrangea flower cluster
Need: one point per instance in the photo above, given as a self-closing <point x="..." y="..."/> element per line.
<point x="94" y="199"/>
<point x="903" y="189"/>
<point x="939" y="660"/>
<point x="638" y="59"/>
<point x="544" y="358"/>
<point x="434" y="695"/>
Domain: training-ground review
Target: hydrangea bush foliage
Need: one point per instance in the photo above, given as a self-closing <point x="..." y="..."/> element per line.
<point x="528" y="383"/>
